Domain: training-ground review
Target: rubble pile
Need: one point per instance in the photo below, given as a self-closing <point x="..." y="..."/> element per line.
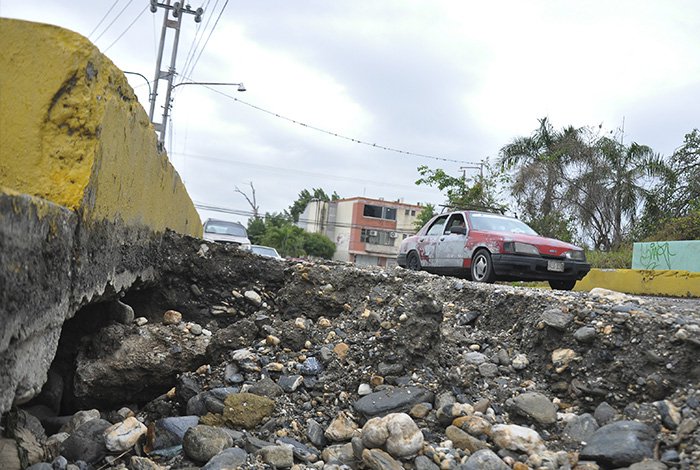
<point x="234" y="361"/>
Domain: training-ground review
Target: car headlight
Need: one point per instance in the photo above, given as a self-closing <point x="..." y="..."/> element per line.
<point x="575" y="255"/>
<point x="520" y="248"/>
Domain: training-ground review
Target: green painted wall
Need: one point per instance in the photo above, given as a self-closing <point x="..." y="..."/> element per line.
<point x="677" y="255"/>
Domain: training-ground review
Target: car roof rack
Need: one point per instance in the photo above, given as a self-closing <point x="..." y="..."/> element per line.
<point x="450" y="208"/>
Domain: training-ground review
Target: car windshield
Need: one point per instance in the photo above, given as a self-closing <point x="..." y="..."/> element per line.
<point x="225" y="228"/>
<point x="264" y="251"/>
<point x="498" y="223"/>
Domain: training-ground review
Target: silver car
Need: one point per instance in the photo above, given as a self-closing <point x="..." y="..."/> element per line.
<point x="224" y="231"/>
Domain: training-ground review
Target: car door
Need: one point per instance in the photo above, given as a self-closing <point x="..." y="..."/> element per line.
<point x="426" y="243"/>
<point x="449" y="249"/>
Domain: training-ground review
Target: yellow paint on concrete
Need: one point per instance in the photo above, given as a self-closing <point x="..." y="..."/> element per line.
<point x="73" y="132"/>
<point x="646" y="282"/>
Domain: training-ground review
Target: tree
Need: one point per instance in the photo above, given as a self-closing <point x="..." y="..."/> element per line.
<point x="317" y="244"/>
<point x="462" y="192"/>
<point x="422" y="218"/>
<point x="306" y="196"/>
<point x="539" y="162"/>
<point x="288" y="239"/>
<point x="251" y="199"/>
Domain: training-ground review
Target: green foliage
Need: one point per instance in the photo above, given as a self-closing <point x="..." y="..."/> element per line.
<point x="479" y="192"/>
<point x="554" y="225"/>
<point x="306" y="196"/>
<point x="317" y="244"/>
<point x="422" y="218"/>
<point x="287" y="239"/>
<point x="678" y="228"/>
<point x="256" y="229"/>
<point x="614" y="259"/>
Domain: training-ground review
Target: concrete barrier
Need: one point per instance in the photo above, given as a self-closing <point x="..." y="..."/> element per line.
<point x="85" y="195"/>
<point x="681" y="255"/>
<point x="74" y="133"/>
<point x="645" y="282"/>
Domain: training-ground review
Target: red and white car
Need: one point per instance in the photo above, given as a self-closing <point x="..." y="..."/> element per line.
<point x="487" y="247"/>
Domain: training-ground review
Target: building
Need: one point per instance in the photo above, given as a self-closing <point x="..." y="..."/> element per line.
<point x="365" y="231"/>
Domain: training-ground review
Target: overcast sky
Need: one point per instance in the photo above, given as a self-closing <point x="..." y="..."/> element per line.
<point x="453" y="79"/>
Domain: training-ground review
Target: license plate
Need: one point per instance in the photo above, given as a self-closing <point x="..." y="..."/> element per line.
<point x="554" y="265"/>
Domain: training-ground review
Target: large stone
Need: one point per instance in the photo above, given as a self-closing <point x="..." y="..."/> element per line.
<point x="201" y="442"/>
<point x="87" y="443"/>
<point x="485" y="459"/>
<point x="536" y="406"/>
<point x="246" y="410"/>
<point x="397" y="433"/>
<point x="394" y="400"/>
<point x="620" y="444"/>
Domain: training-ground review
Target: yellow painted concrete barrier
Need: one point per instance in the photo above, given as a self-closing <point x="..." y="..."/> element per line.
<point x="73" y="132"/>
<point x="645" y="282"/>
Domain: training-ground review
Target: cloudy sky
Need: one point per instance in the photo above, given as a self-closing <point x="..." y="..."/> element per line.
<point x="450" y="80"/>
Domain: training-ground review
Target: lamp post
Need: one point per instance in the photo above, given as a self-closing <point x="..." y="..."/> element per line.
<point x="144" y="77"/>
<point x="168" y="104"/>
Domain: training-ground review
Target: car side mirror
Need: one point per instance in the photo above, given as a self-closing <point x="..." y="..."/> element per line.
<point x="459" y="230"/>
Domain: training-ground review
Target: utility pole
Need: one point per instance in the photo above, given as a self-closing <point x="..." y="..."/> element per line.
<point x="177" y="10"/>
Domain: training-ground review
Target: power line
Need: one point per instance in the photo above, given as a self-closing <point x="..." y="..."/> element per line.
<point x="285" y="171"/>
<point x="335" y="134"/>
<point x="209" y="37"/>
<point x="103" y="18"/>
<point x="115" y="19"/>
<point x="127" y="29"/>
<point x="197" y="40"/>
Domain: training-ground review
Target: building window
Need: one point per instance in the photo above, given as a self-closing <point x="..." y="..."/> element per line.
<point x="408" y="211"/>
<point x="379" y="212"/>
<point x="378" y="237"/>
<point x="413" y="213"/>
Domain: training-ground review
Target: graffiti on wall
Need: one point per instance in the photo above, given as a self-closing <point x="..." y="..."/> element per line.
<point x="656" y="255"/>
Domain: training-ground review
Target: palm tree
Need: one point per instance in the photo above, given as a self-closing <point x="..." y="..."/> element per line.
<point x="539" y="161"/>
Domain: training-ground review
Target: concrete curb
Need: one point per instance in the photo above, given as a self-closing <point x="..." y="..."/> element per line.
<point x="646" y="282"/>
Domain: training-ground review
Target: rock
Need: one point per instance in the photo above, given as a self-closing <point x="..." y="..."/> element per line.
<point x="648" y="465"/>
<point x="172" y="317"/>
<point x="266" y="387"/>
<point x="392" y="401"/>
<point x="520" y="362"/>
<point x="339" y="454"/>
<point x="581" y="428"/>
<point x="233" y="457"/>
<point x="277" y="456"/>
<point x="9" y="456"/>
<point x="475" y="358"/>
<point x="87" y="442"/>
<point x="211" y="401"/>
<point x="290" y="383"/>
<point x="79" y="418"/>
<point x="620" y="444"/>
<point x="474" y="425"/>
<point x="253" y="297"/>
<point x="556" y="319"/>
<point x="670" y="416"/>
<point x="514" y="437"/>
<point x="397" y="433"/>
<point x="315" y="433"/>
<point x="536" y="406"/>
<point x="122" y="436"/>
<point x="311" y="366"/>
<point x="377" y="459"/>
<point x="463" y="440"/>
<point x="484" y="459"/>
<point x="246" y="410"/>
<point x="561" y="358"/>
<point x="40" y="466"/>
<point x="171" y="431"/>
<point x="143" y="463"/>
<point x="424" y="463"/>
<point x="585" y="334"/>
<point x="342" y="428"/>
<point x="201" y="442"/>
<point x="604" y="414"/>
<point x="121" y="312"/>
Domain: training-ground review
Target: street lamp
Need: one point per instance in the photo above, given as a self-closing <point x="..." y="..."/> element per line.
<point x="144" y="77"/>
<point x="168" y="100"/>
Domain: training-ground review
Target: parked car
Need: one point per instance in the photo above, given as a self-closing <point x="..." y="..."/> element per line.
<point x="486" y="247"/>
<point x="266" y="251"/>
<point x="224" y="231"/>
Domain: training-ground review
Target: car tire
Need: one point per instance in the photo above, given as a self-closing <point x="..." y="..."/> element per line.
<point x="413" y="262"/>
<point x="562" y="285"/>
<point x="482" y="267"/>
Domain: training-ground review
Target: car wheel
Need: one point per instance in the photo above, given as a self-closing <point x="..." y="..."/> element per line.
<point x="482" y="267"/>
<point x="413" y="262"/>
<point x="562" y="285"/>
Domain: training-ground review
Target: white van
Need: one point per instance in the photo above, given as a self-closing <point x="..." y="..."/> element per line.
<point x="224" y="231"/>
